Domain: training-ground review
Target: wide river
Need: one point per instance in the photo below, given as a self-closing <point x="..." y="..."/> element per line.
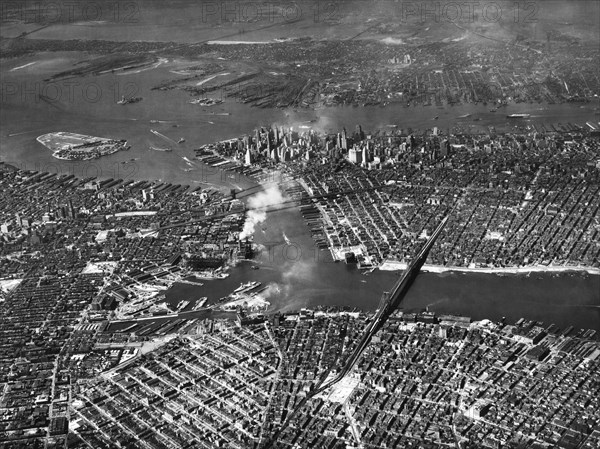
<point x="299" y="275"/>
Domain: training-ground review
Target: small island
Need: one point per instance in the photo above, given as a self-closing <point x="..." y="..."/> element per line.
<point x="79" y="147"/>
<point x="206" y="101"/>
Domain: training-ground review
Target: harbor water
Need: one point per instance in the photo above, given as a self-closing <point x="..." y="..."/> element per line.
<point x="297" y="274"/>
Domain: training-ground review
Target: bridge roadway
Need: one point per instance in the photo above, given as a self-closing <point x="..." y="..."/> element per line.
<point x="393" y="300"/>
<point x="390" y="302"/>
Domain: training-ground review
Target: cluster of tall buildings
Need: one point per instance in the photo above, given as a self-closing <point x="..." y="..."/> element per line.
<point x="368" y="152"/>
<point x="278" y="144"/>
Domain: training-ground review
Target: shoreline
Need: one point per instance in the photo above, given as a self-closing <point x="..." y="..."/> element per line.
<point x="398" y="266"/>
<point x="68" y="146"/>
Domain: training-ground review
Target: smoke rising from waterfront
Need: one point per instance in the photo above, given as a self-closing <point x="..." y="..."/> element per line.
<point x="272" y="289"/>
<point x="257" y="204"/>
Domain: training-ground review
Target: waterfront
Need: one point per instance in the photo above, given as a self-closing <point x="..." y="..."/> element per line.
<point x="89" y="106"/>
<point x="300" y="275"/>
<point x="313" y="279"/>
<point x="242" y="271"/>
<point x="565" y="299"/>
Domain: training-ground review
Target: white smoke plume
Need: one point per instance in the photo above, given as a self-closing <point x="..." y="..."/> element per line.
<point x="256" y="214"/>
<point x="273" y="289"/>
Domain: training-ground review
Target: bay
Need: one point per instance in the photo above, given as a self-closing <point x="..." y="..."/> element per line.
<point x="298" y="275"/>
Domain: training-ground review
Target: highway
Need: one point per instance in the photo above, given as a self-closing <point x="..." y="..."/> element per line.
<point x="390" y="302"/>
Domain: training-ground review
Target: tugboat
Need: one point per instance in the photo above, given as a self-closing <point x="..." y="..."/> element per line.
<point x="181" y="140"/>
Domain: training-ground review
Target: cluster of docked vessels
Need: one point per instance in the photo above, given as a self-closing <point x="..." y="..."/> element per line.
<point x="197" y="305"/>
<point x="208" y="275"/>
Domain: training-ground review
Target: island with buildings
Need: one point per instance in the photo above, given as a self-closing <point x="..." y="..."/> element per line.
<point x="145" y="313"/>
<point x="78" y="147"/>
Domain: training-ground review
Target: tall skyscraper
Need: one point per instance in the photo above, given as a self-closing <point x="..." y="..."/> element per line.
<point x="355" y="155"/>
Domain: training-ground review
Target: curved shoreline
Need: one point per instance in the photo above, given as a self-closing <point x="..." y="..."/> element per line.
<point x="69" y="146"/>
<point x="397" y="266"/>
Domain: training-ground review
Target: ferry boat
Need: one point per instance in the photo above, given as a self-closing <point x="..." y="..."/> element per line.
<point x="200" y="303"/>
<point x="182" y="305"/>
<point x="518" y="116"/>
<point x="243" y="288"/>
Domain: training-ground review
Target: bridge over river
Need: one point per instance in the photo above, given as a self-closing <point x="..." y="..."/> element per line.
<point x="389" y="302"/>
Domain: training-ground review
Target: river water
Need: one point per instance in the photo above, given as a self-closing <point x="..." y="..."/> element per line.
<point x="298" y="275"/>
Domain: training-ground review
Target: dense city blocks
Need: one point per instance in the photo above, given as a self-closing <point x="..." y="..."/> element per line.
<point x="91" y="345"/>
<point x="299" y="224"/>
